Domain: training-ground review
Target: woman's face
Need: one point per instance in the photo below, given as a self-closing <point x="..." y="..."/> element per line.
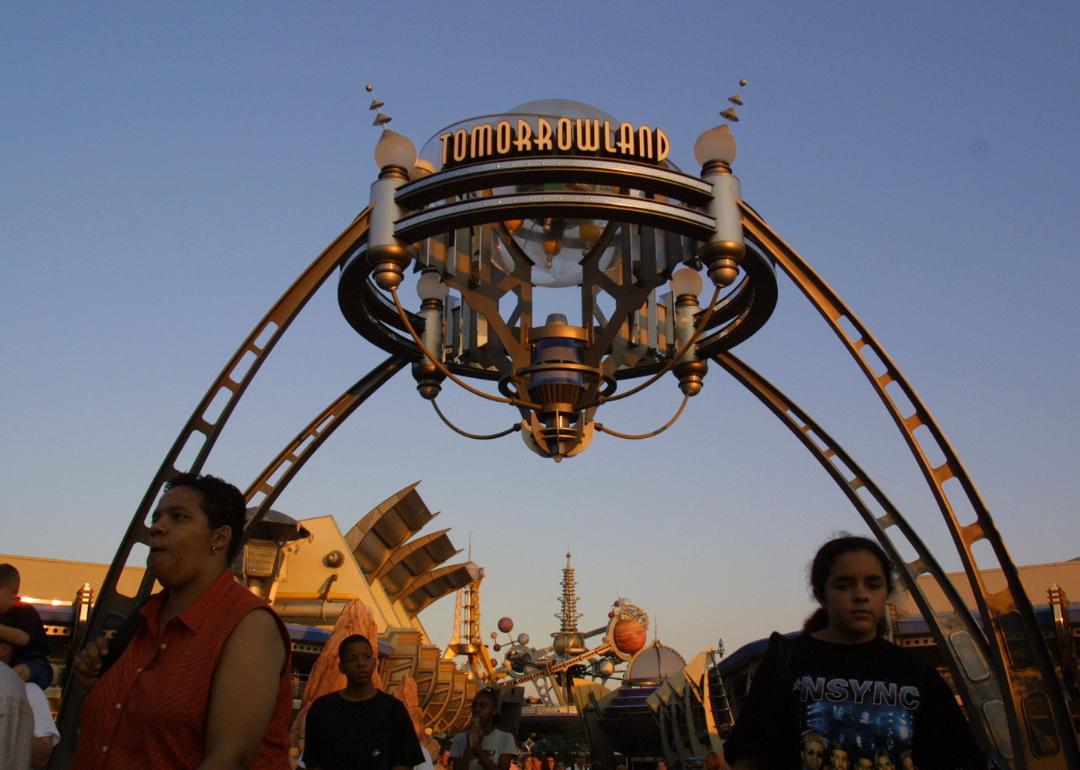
<point x="181" y="541"/>
<point x="855" y="596"/>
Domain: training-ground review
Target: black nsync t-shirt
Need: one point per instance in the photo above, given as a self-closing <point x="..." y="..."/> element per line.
<point x="869" y="706"/>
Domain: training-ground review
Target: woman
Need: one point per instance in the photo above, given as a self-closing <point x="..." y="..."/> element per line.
<point x="840" y="683"/>
<point x="482" y="746"/>
<point x="204" y="680"/>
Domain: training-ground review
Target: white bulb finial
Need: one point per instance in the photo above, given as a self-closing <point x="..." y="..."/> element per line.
<point x="395" y="149"/>
<point x="716" y="144"/>
<point x="686" y="280"/>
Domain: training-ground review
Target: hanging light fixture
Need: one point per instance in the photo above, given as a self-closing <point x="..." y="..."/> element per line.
<point x="497" y="239"/>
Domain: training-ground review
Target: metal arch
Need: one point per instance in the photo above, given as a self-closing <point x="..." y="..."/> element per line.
<point x="1036" y="710"/>
<point x="111" y="606"/>
<point x="955" y="631"/>
<point x="299" y="450"/>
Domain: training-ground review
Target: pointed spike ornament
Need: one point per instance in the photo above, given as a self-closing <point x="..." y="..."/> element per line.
<point x="380" y="118"/>
<point x="737" y="98"/>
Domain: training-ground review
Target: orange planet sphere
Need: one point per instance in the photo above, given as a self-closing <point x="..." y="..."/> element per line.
<point x="629" y="636"/>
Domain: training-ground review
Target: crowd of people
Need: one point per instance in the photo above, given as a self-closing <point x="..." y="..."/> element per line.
<point x="199" y="677"/>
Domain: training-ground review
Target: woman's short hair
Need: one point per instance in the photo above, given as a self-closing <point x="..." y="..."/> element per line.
<point x="222" y="503"/>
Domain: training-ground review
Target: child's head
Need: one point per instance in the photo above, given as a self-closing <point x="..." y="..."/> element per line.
<point x="9" y="587"/>
<point x="485" y="706"/>
<point x="843" y="570"/>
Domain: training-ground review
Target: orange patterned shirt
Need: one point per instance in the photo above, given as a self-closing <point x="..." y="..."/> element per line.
<point x="150" y="709"/>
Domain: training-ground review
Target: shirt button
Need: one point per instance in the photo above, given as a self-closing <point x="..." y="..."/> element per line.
<point x="138" y="671"/>
<point x="163" y="645"/>
<point x="104" y="748"/>
<point x="118" y="705"/>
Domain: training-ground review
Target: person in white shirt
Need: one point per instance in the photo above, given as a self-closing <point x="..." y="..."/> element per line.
<point x="482" y="746"/>
<point x="45" y="733"/>
<point x="16" y="721"/>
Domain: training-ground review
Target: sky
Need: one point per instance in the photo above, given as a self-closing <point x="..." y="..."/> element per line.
<point x="167" y="170"/>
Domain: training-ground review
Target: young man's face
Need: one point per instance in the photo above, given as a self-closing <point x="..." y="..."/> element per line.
<point x="839" y="759"/>
<point x="358" y="664"/>
<point x="8" y="595"/>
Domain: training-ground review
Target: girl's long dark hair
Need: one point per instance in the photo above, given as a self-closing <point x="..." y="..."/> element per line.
<point x="821" y="568"/>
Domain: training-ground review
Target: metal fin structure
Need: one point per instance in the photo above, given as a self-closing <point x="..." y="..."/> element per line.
<point x="730" y="114"/>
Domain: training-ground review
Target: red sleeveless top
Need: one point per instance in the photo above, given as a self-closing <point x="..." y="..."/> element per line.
<point x="150" y="709"/>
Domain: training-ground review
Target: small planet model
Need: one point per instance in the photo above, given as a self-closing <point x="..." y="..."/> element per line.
<point x="628" y="636"/>
<point x="506" y="625"/>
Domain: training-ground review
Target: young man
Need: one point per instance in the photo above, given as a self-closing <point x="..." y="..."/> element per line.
<point x="21" y="627"/>
<point x="44" y="732"/>
<point x="360" y="727"/>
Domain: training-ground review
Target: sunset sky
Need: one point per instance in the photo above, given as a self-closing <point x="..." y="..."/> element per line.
<point x="167" y="170"/>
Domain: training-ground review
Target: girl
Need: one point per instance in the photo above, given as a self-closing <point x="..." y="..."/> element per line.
<point x="839" y="684"/>
<point x="482" y="746"/>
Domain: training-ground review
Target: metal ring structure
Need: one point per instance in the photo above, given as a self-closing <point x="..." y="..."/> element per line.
<point x="739" y="314"/>
<point x="484" y="176"/>
<point x="1013" y="636"/>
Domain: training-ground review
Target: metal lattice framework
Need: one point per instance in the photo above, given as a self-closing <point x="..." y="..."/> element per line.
<point x="1001" y="666"/>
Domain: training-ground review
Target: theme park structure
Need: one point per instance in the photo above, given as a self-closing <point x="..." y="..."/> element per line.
<point x="559" y="195"/>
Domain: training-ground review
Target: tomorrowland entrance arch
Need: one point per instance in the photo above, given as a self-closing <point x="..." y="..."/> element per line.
<point x="558" y="195"/>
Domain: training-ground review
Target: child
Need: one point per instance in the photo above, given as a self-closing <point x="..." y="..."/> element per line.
<point x="482" y="746"/>
<point x="839" y="682"/>
<point x="20" y="626"/>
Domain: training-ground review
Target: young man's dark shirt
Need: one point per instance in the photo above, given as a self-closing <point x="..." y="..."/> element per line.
<point x="372" y="734"/>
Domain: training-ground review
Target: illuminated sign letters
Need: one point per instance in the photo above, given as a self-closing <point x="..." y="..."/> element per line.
<point x="581" y="136"/>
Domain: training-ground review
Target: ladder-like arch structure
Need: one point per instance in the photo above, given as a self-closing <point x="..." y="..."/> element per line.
<point x="1003" y="669"/>
<point x="1030" y="722"/>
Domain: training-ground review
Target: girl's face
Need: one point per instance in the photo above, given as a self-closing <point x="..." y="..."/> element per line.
<point x="483" y="709"/>
<point x="855" y="596"/>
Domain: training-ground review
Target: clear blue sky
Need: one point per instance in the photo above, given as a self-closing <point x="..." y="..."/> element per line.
<point x="166" y="170"/>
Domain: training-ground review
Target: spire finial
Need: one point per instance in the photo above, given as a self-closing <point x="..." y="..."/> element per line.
<point x="380" y="118"/>
<point x="729" y="113"/>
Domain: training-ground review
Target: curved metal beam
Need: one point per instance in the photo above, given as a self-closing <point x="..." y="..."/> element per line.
<point x="1036" y="711"/>
<point x="205" y="425"/>
<point x="955" y="631"/>
<point x="292" y="458"/>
